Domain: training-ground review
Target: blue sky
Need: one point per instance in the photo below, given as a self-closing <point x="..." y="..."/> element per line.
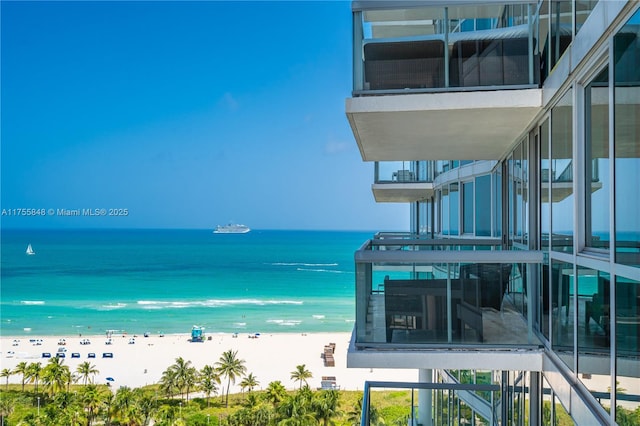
<point x="186" y="114"/>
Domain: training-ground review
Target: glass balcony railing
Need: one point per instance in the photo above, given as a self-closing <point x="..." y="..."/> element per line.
<point x="436" y="403"/>
<point x="435" y="48"/>
<point x="403" y="172"/>
<point x="444" y="292"/>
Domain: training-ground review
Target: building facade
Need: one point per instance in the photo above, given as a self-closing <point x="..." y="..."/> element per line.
<point x="512" y="129"/>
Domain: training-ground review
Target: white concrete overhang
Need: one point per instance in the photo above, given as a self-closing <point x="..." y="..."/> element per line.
<point x="452" y="358"/>
<point x="402" y="192"/>
<point x="480" y="125"/>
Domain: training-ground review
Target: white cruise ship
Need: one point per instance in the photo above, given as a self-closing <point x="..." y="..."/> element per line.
<point x="232" y="228"/>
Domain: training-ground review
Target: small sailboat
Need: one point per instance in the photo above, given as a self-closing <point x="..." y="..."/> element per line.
<point x="30" y="251"/>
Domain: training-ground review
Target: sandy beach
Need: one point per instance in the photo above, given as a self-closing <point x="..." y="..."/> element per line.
<point x="269" y="357"/>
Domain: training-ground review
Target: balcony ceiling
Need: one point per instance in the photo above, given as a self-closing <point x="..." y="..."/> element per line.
<point x="401" y="192"/>
<point x="479" y="125"/>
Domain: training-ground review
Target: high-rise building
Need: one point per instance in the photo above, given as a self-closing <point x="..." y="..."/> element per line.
<point x="512" y="129"/>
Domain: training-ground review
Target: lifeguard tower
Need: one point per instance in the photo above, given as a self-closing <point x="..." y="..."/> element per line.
<point x="197" y="334"/>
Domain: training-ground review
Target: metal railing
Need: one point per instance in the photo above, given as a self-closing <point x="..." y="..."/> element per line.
<point x="460" y="391"/>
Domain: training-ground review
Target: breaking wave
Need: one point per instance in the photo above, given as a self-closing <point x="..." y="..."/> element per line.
<point x="213" y="303"/>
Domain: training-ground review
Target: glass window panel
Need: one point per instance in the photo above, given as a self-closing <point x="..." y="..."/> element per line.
<point x="562" y="417"/>
<point x="511" y="199"/>
<point x="445" y="211"/>
<point x="467" y="210"/>
<point x="543" y="291"/>
<point x="436" y="213"/>
<point x="561" y="31"/>
<point x="483" y="206"/>
<point x="545" y="169"/>
<point x="497" y="196"/>
<point x="454" y="209"/>
<point x="562" y="281"/>
<point x="547" y="403"/>
<point x="524" y="175"/>
<point x="583" y="10"/>
<point x="597" y="185"/>
<point x="627" y="142"/>
<point x="543" y="34"/>
<point x="628" y="347"/>
<point x="517" y="185"/>
<point x="562" y="174"/>
<point x="594" y="343"/>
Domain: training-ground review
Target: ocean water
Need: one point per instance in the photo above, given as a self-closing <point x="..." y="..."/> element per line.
<point x="91" y="281"/>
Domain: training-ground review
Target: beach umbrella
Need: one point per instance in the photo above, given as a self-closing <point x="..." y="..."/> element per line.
<point x="110" y="379"/>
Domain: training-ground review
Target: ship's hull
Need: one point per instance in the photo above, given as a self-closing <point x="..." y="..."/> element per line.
<point x="231" y="229"/>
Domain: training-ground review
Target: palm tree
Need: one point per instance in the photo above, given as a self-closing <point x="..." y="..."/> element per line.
<point x="123" y="403"/>
<point x="63" y="400"/>
<point x="21" y="368"/>
<point x="56" y="375"/>
<point x="6" y="373"/>
<point x="301" y="374"/>
<point x="85" y="370"/>
<point x="275" y="393"/>
<point x="145" y="405"/>
<point x="252" y="401"/>
<point x="325" y="405"/>
<point x="110" y="402"/>
<point x="7" y="406"/>
<point x="230" y="366"/>
<point x="190" y="380"/>
<point x="208" y="386"/>
<point x="296" y="410"/>
<point x="168" y="382"/>
<point x="249" y="381"/>
<point x="182" y="370"/>
<point x="208" y="379"/>
<point x="356" y="412"/>
<point x="92" y="400"/>
<point x="33" y="373"/>
<point x="165" y="415"/>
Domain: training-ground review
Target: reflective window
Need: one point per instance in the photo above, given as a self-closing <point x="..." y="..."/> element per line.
<point x="483" y="206"/>
<point x="454" y="209"/>
<point x="497" y="196"/>
<point x="517" y="183"/>
<point x="597" y="184"/>
<point x="559" y="15"/>
<point x="594" y="342"/>
<point x="436" y="213"/>
<point x="628" y="347"/>
<point x="524" y="192"/>
<point x="562" y="281"/>
<point x="583" y="10"/>
<point x="467" y="210"/>
<point x="445" y="210"/>
<point x="627" y="142"/>
<point x="545" y="185"/>
<point x="544" y="296"/>
<point x="562" y="174"/>
<point x="511" y="198"/>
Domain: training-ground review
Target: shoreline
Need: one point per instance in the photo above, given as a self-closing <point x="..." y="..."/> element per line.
<point x="269" y="356"/>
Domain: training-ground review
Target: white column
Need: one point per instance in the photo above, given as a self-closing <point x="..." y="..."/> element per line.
<point x="424" y="398"/>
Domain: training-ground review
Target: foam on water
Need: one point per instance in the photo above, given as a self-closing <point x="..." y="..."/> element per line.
<point x="140" y="280"/>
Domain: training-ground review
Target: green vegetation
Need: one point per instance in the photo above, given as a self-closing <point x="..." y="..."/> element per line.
<point x="54" y="396"/>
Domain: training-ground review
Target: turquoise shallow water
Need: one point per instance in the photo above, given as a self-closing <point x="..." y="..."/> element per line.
<point x="90" y="281"/>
